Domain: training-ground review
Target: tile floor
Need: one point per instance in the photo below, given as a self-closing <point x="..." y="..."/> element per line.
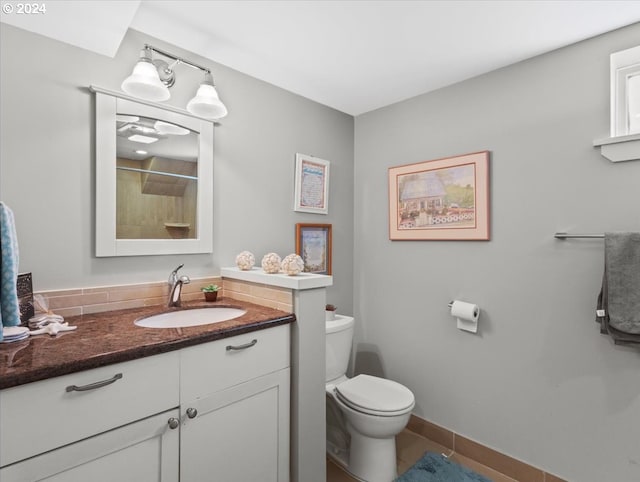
<point x="410" y="447"/>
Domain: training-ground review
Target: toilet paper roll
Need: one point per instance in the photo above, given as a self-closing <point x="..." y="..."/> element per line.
<point x="467" y="315"/>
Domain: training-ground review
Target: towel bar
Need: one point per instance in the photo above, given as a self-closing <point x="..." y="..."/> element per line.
<point x="565" y="235"/>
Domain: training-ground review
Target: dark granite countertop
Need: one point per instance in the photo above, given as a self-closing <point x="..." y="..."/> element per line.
<point x="111" y="337"/>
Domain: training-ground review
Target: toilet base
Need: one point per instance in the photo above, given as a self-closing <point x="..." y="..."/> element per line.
<point x="372" y="459"/>
<point x="341" y="459"/>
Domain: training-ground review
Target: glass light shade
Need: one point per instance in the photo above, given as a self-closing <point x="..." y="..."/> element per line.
<point x="206" y="103"/>
<point x="145" y="83"/>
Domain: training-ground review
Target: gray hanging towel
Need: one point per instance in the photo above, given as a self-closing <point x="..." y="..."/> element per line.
<point x="619" y="299"/>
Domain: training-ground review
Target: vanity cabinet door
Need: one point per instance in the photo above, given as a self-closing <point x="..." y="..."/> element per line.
<point x="238" y="435"/>
<point x="41" y="416"/>
<point x="143" y="451"/>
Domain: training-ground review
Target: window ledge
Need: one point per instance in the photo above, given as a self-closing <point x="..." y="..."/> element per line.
<point x="620" y="148"/>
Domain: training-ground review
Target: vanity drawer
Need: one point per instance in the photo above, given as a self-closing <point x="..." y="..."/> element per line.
<point x="41" y="416"/>
<point x="210" y="367"/>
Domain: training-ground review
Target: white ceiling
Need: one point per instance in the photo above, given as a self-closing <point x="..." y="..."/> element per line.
<point x="354" y="56"/>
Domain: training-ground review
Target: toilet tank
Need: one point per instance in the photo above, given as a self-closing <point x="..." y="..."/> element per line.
<point x="339" y="339"/>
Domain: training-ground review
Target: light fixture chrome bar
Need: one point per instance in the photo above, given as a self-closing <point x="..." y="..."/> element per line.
<point x="566" y="236"/>
<point x="160" y="173"/>
<point x="177" y="59"/>
<point x="151" y="79"/>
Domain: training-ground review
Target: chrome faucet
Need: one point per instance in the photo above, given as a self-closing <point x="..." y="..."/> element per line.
<point x="176" y="287"/>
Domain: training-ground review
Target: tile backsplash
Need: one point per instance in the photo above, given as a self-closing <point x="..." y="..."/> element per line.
<point x="72" y="302"/>
<point x="259" y="293"/>
<point x="81" y="301"/>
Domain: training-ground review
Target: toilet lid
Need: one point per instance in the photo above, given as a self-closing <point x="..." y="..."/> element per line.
<point x="373" y="394"/>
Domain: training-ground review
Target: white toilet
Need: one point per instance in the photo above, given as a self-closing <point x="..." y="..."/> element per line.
<point x="364" y="413"/>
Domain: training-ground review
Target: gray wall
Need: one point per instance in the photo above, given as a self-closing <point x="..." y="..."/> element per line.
<point x="47" y="160"/>
<point x="539" y="382"/>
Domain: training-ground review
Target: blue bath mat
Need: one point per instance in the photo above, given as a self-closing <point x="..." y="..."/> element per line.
<point x="434" y="467"/>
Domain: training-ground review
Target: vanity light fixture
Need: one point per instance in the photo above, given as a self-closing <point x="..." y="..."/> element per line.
<point x="151" y="79"/>
<point x="206" y="102"/>
<point x="145" y="81"/>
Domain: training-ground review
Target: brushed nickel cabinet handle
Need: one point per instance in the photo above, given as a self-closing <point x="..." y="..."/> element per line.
<point x="93" y="386"/>
<point x="242" y="347"/>
<point x="192" y="412"/>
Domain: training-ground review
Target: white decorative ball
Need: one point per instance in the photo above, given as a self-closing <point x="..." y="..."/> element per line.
<point x="271" y="263"/>
<point x="245" y="260"/>
<point x="292" y="264"/>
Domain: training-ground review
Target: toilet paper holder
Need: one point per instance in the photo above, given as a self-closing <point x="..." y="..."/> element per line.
<point x="450" y="304"/>
<point x="466" y="314"/>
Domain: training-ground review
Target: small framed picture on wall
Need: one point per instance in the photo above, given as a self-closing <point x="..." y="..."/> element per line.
<point x="313" y="245"/>
<point x="311" y="185"/>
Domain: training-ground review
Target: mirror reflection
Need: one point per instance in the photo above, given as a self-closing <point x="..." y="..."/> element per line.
<point x="156" y="178"/>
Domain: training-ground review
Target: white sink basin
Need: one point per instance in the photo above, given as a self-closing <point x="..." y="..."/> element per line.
<point x="190" y="317"/>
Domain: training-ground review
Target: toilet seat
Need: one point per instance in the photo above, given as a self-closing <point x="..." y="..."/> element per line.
<point x="375" y="396"/>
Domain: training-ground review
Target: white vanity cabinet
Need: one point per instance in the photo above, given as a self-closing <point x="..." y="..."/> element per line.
<point x="235" y="406"/>
<point x="216" y="411"/>
<point x="93" y="425"/>
<point x="146" y="450"/>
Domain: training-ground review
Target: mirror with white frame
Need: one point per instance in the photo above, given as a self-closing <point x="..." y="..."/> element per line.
<point x="154" y="178"/>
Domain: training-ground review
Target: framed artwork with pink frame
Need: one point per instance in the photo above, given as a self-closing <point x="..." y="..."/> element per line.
<point x="441" y="199"/>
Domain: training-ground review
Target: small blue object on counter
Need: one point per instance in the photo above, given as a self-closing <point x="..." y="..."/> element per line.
<point x="9" y="304"/>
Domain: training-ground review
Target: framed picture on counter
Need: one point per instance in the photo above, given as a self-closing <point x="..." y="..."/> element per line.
<point x="313" y="245"/>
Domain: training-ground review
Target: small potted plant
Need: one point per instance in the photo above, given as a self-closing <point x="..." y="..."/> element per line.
<point x="330" y="312"/>
<point x="211" y="292"/>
